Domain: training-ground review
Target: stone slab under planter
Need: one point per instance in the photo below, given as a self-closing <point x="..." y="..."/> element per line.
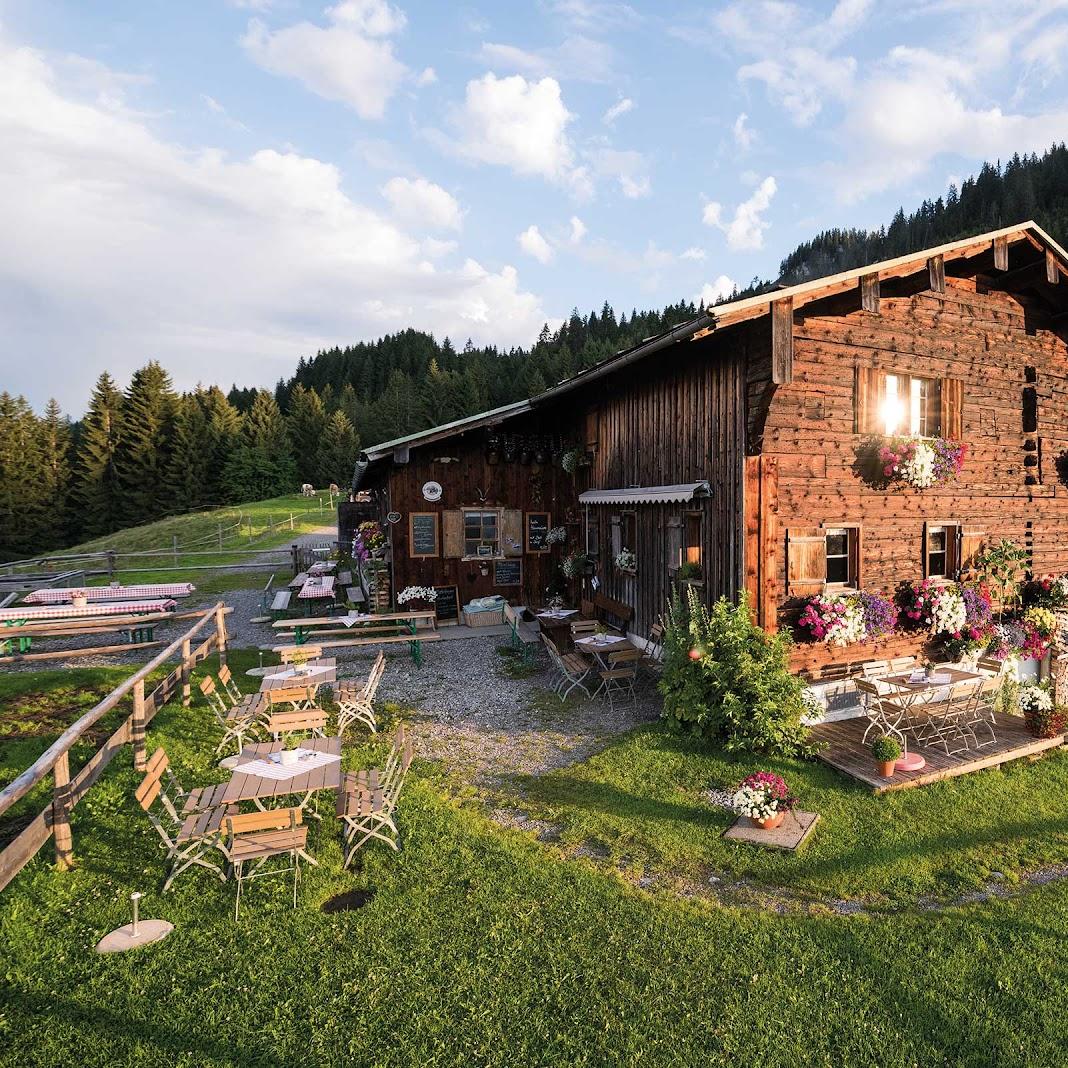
<point x="791" y="834"/>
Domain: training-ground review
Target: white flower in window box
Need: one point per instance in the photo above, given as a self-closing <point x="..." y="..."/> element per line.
<point x="626" y="560"/>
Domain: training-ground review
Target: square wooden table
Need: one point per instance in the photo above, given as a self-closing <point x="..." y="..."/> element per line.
<point x="944" y="676"/>
<point x="599" y="650"/>
<point x="258" y="789"/>
<point x="558" y="627"/>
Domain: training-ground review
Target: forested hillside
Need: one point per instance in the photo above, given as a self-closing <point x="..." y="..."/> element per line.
<point x="149" y="451"/>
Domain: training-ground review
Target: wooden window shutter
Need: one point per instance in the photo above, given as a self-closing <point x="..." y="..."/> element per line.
<point x="806" y="561"/>
<point x="512" y="532"/>
<point x="952" y="399"/>
<point x="592" y="421"/>
<point x="452" y="533"/>
<point x="971" y="544"/>
<point x="616" y="525"/>
<point x="855" y="557"/>
<point x="868" y="391"/>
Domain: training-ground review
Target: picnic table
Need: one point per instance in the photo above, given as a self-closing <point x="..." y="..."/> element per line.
<point x="317" y="588"/>
<point x="367" y="629"/>
<point x="100" y="610"/>
<point x="64" y="594"/>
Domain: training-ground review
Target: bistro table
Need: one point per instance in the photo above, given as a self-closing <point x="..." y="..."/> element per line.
<point x="260" y="788"/>
<point x="65" y="594"/>
<point x="556" y="622"/>
<point x="321" y="671"/>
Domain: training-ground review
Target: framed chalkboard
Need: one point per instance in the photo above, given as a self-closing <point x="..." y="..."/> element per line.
<point x="447" y="606"/>
<point x="538" y="524"/>
<point x="507" y="572"/>
<point x="423" y="534"/>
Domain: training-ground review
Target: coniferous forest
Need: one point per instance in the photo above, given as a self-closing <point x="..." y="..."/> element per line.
<point x="144" y="451"/>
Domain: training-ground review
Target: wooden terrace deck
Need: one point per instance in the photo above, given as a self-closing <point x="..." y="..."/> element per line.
<point x="845" y="752"/>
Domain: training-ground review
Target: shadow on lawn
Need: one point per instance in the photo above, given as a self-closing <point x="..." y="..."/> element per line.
<point x="114" y="1025"/>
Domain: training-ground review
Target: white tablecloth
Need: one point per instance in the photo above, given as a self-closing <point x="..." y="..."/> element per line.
<point x="267" y="768"/>
<point x="308" y="676"/>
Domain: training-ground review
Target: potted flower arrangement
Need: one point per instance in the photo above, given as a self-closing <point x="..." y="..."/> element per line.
<point x="1040" y="632"/>
<point x="556" y="536"/>
<point x="418" y="598"/>
<point x="373" y="537"/>
<point x="572" y="460"/>
<point x="626" y="561"/>
<point x="834" y="620"/>
<point x="921" y="463"/>
<point x="765" y="798"/>
<point x="79" y="598"/>
<point x="1044" y="719"/>
<point x="575" y="565"/>
<point x="886" y="750"/>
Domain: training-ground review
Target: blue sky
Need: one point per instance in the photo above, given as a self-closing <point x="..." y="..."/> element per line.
<point x="228" y="185"/>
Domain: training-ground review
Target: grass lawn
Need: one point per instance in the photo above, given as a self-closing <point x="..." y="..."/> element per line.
<point x="482" y="946"/>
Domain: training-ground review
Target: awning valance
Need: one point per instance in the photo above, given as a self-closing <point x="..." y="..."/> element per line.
<point x="686" y="491"/>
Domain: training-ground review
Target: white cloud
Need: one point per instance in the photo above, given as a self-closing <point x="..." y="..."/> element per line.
<point x="630" y="169"/>
<point x="618" y="109"/>
<point x="251" y="5"/>
<point x="578" y="230"/>
<point x="350" y="60"/>
<point x="216" y="108"/>
<point x="267" y="257"/>
<point x="713" y="292"/>
<point x="576" y="58"/>
<point x="428" y="76"/>
<point x="533" y="244"/>
<point x="743" y="136"/>
<point x="522" y="125"/>
<point x="596" y="14"/>
<point x="745" y="230"/>
<point x="420" y="203"/>
<point x="693" y="253"/>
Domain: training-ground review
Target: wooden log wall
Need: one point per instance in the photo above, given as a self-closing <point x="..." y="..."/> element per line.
<point x="468" y="480"/>
<point x="1005" y="351"/>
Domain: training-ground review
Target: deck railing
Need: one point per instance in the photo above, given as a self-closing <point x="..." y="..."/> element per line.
<point x="54" y="821"/>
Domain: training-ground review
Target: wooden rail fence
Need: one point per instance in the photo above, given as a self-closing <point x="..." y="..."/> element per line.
<point x="54" y="821"/>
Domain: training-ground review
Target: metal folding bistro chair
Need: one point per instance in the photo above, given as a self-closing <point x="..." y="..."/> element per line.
<point x="619" y="680"/>
<point x="239" y="721"/>
<point x="370" y="811"/>
<point x="256" y="837"/>
<point x="355" y="699"/>
<point x="886" y="713"/>
<point x="948" y="722"/>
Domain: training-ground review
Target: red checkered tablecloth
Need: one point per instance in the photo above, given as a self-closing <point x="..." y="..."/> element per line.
<point x="68" y="611"/>
<point x="63" y="594"/>
<point x="317" y="588"/>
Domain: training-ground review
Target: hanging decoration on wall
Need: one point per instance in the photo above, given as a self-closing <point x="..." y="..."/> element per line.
<point x="393" y="517"/>
<point x="431" y="491"/>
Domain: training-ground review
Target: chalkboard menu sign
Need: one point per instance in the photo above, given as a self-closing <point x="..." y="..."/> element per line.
<point x="423" y="534"/>
<point x="447" y="606"/>
<point x="538" y="532"/>
<point x="507" y="572"/>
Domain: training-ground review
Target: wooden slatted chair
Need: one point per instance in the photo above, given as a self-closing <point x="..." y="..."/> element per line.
<point x="257" y="837"/>
<point x="297" y="697"/>
<point x="556" y="674"/>
<point x="378" y="778"/>
<point x="179" y="801"/>
<point x="283" y="725"/>
<point x="619" y="680"/>
<point x="576" y="668"/>
<point x="355" y="699"/>
<point x="187" y="841"/>
<point x="371" y="812"/>
<point x="226" y="680"/>
<point x="581" y="627"/>
<point x="238" y="721"/>
<point x="288" y="653"/>
<point x="654" y="641"/>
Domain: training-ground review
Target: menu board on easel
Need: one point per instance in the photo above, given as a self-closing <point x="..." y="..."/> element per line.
<point x="447" y="606"/>
<point x="507" y="572"/>
<point x="538" y="532"/>
<point x="423" y="534"/>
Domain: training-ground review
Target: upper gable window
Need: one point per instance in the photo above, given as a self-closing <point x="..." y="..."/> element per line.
<point x="912" y="406"/>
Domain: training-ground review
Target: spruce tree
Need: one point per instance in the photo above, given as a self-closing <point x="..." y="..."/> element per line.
<point x="143" y="455"/>
<point x="96" y="483"/>
<point x="189" y="466"/>
<point x="22" y="475"/>
<point x="338" y="451"/>
<point x="307" y="421"/>
<point x="223" y="437"/>
<point x="55" y="445"/>
<point x="262" y="465"/>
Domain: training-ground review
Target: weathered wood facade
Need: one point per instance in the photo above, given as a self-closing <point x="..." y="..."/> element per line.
<point x="777" y="403"/>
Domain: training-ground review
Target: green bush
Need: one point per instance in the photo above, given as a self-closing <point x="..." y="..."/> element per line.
<point x="688" y="571"/>
<point x="885" y="748"/>
<point x="727" y="680"/>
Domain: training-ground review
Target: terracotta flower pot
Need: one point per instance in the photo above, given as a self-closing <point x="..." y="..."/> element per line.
<point x="1045" y="724"/>
<point x="771" y="822"/>
<point x="886" y="768"/>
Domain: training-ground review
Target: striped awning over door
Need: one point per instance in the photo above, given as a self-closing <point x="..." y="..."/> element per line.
<point x="686" y="491"/>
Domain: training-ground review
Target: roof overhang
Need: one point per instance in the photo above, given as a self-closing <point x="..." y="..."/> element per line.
<point x="684" y="491"/>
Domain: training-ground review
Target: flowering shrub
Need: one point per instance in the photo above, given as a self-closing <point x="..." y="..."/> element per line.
<point x="556" y="536"/>
<point x="372" y="536"/>
<point x="1034" y="699"/>
<point x="762" y="795"/>
<point x="1047" y="592"/>
<point x="417" y="593"/>
<point x="921" y="463"/>
<point x="626" y="560"/>
<point x="1040" y="631"/>
<point x="837" y="620"/>
<point x="940" y="608"/>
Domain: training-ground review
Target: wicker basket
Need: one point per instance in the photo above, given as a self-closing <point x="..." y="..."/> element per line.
<point x="491" y="617"/>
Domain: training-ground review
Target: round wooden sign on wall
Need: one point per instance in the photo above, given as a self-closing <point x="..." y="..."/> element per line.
<point x="432" y="491"/>
<point x="393" y="517"/>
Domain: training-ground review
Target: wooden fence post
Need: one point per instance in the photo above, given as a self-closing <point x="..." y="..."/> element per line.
<point x="111" y="565"/>
<point x="61" y="813"/>
<point x="296" y="560"/>
<point x="174" y="546"/>
<point x="220" y="634"/>
<point x="290" y="520"/>
<point x="137" y="727"/>
<point x="185" y="674"/>
<point x="220" y="536"/>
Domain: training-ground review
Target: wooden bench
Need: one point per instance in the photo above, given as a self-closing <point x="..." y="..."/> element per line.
<point x="280" y="604"/>
<point x="612" y="613"/>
